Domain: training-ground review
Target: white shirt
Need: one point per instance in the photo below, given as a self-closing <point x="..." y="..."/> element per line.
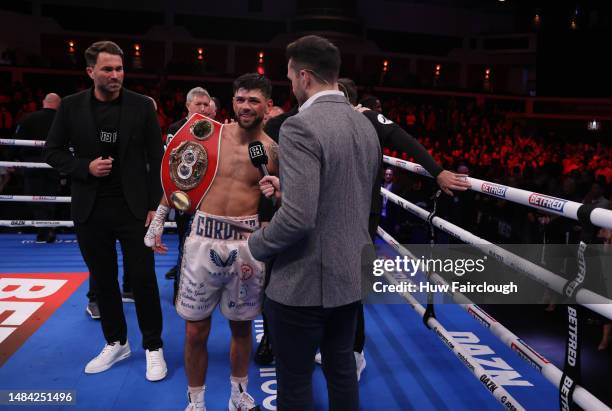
<point x="312" y="98"/>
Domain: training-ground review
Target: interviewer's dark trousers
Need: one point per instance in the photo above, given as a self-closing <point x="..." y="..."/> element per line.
<point x="296" y="333"/>
<point x="112" y="220"/>
<point x="183" y="227"/>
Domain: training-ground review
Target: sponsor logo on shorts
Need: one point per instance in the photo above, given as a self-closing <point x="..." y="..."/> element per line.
<point x="549" y="203"/>
<point x="237" y="306"/>
<point x="246" y="272"/>
<point x="494" y="189"/>
<point x="220" y="262"/>
<point x="219" y="230"/>
<point x="223" y="273"/>
<point x="244" y="291"/>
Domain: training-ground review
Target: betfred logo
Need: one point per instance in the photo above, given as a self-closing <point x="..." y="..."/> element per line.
<point x="27" y="301"/>
<point x="494" y="189"/>
<point x="549" y="203"/>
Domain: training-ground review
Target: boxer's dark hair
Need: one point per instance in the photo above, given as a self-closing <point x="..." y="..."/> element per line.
<point x="316" y="54"/>
<point x="254" y="81"/>
<point x="91" y="54"/>
<point x="349" y="88"/>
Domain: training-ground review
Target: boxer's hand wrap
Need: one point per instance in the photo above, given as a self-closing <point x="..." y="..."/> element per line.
<point x="157" y="225"/>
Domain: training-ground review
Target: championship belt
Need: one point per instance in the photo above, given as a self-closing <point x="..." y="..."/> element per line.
<point x="190" y="162"/>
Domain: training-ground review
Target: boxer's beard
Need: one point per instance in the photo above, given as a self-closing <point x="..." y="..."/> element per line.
<point x="256" y="122"/>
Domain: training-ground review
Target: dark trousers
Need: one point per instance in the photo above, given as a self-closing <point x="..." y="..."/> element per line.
<point x="39" y="182"/>
<point x="296" y="333"/>
<point x="111" y="220"/>
<point x="359" y="330"/>
<point x="183" y="228"/>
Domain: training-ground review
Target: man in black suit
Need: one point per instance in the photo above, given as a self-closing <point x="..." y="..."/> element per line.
<point x="115" y="167"/>
<point x="40" y="181"/>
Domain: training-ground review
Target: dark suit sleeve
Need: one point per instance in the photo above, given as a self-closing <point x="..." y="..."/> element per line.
<point x="393" y="135"/>
<point x="56" y="152"/>
<point x="154" y="150"/>
<point x="300" y="164"/>
<point x="23" y="131"/>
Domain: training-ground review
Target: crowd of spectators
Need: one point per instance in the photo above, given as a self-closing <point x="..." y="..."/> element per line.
<point x="491" y="146"/>
<point x="484" y="141"/>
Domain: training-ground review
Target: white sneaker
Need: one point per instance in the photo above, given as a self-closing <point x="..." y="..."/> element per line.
<point x="196" y="403"/>
<point x="111" y="353"/>
<point x="156" y="365"/>
<point x="242" y="401"/>
<point x="318" y="358"/>
<point x="360" y="362"/>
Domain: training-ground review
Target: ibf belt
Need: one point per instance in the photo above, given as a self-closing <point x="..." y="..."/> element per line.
<point x="190" y="162"/>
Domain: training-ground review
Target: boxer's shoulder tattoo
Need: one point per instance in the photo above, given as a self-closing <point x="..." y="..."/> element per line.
<point x="273" y="152"/>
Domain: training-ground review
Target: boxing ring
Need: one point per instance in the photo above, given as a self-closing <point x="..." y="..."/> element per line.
<point x="410" y="366"/>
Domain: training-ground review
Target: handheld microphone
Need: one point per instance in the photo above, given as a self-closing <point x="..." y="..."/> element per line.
<point x="258" y="156"/>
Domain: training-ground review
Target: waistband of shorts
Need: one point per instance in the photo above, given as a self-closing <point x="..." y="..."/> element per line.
<point x="217" y="228"/>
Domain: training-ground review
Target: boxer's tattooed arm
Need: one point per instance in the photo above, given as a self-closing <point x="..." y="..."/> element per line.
<point x="273" y="153"/>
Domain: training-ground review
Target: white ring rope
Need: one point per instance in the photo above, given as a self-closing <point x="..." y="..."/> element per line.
<point x="500" y="393"/>
<point x="600" y="217"/>
<point x="581" y="396"/>
<point x="51" y="223"/>
<point x="34" y="199"/>
<point x="21" y="143"/>
<point x="584" y="297"/>
<point x="23" y="164"/>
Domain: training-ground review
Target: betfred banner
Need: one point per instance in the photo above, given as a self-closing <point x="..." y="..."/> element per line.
<point x="27" y="301"/>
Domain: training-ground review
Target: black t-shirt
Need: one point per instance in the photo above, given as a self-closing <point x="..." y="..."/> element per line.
<point x="107" y="116"/>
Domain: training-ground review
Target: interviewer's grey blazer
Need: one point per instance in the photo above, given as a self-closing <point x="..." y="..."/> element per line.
<point x="329" y="158"/>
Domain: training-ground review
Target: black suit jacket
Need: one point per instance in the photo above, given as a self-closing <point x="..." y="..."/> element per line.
<point x="34" y="126"/>
<point x="140" y="152"/>
<point x="174" y="127"/>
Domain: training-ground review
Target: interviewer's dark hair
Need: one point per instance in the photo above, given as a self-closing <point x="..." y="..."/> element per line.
<point x="253" y="81"/>
<point x="348" y="87"/>
<point x="316" y="54"/>
<point x="91" y="54"/>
